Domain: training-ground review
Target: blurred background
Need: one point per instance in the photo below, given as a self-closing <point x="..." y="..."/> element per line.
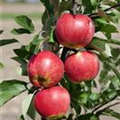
<point x="8" y="10"/>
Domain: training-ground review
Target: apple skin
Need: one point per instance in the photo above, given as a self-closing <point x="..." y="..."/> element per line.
<point x="82" y="66"/>
<point x="74" y="31"/>
<point x="53" y="102"/>
<point x="45" y="69"/>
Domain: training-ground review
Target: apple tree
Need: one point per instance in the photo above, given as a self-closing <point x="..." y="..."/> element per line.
<point x="72" y="63"/>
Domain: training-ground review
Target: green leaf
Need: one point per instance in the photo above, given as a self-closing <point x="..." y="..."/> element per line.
<point x="32" y="111"/>
<point x="111" y="94"/>
<point x="49" y="7"/>
<point x="87" y="6"/>
<point x="70" y="117"/>
<point x="34" y="46"/>
<point x="7" y="41"/>
<point x="20" y="31"/>
<point x="21" y="117"/>
<point x="115" y="52"/>
<point x="26" y="105"/>
<point x="76" y="107"/>
<point x="10" y="89"/>
<point x="1" y="65"/>
<point x="110" y="112"/>
<point x="1" y="31"/>
<point x="25" y="22"/>
<point x="115" y="82"/>
<point x="98" y="44"/>
<point x="88" y="116"/>
<point x="23" y="53"/>
<point x="101" y="45"/>
<point x="23" y="65"/>
<point x="64" y="5"/>
<point x="108" y="28"/>
<point x="114" y="16"/>
<point x="81" y="97"/>
<point x="94" y="96"/>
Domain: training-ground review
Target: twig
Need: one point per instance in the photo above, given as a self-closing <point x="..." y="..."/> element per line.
<point x="109" y="106"/>
<point x="96" y="14"/>
<point x="98" y="107"/>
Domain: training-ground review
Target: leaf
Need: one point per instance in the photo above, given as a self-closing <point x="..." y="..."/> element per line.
<point x="31" y="111"/>
<point x="1" y="65"/>
<point x="115" y="52"/>
<point x="94" y="96"/>
<point x="11" y="88"/>
<point x="1" y="31"/>
<point x="98" y="44"/>
<point x="26" y="104"/>
<point x="49" y="7"/>
<point x="81" y="96"/>
<point x="25" y="22"/>
<point x="70" y="117"/>
<point x="23" y="53"/>
<point x="76" y="107"/>
<point x="20" y="31"/>
<point x="23" y="65"/>
<point x="89" y="116"/>
<point x="87" y="6"/>
<point x="110" y="112"/>
<point x="64" y="5"/>
<point x="34" y="46"/>
<point x="7" y="41"/>
<point x="111" y="94"/>
<point x="21" y="117"/>
<point x="101" y="45"/>
<point x="108" y="28"/>
<point x="114" y="16"/>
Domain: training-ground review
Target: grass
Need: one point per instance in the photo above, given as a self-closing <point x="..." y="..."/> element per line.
<point x="9" y="16"/>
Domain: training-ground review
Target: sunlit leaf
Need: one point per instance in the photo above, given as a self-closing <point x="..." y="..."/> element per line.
<point x="25" y="22"/>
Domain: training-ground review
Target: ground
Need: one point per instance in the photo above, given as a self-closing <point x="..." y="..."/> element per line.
<point x="12" y="109"/>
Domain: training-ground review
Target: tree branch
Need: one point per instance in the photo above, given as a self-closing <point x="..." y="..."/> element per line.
<point x="109" y="106"/>
<point x="96" y="14"/>
<point x="98" y="107"/>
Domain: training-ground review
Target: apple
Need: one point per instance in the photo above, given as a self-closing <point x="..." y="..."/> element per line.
<point x="45" y="69"/>
<point x="52" y="103"/>
<point x="82" y="66"/>
<point x="74" y="31"/>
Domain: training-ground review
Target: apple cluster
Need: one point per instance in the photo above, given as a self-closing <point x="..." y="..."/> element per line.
<point x="46" y="69"/>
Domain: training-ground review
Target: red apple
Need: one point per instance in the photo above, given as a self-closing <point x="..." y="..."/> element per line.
<point x="82" y="66"/>
<point x="53" y="102"/>
<point x="74" y="31"/>
<point x="45" y="69"/>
